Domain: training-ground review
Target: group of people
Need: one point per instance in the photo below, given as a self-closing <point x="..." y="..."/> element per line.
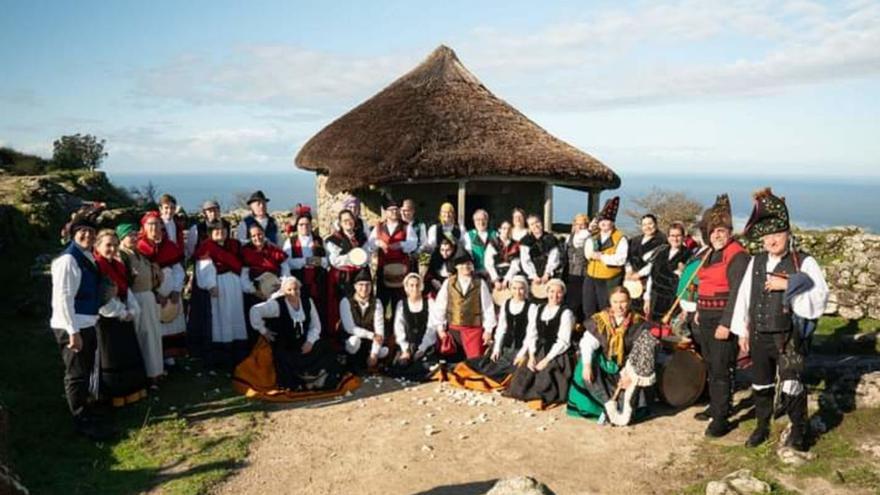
<point x="570" y="321"/>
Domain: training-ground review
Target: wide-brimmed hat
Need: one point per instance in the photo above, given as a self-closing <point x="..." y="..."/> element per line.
<point x="257" y="196"/>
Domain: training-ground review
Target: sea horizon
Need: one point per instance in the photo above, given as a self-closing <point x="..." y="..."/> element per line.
<point x="816" y="202"/>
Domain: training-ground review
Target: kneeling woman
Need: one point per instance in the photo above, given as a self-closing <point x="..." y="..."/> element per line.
<point x="290" y="362"/>
<point x="494" y="372"/>
<point x="122" y="378"/>
<point x="543" y="380"/>
<point x="363" y="319"/>
<point x="617" y="363"/>
<point x="416" y="341"/>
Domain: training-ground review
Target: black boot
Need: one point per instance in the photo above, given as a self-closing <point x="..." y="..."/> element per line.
<point x="763" y="400"/>
<point x="797" y="413"/>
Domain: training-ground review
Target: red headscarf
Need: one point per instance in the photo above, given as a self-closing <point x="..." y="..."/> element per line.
<point x="165" y="253"/>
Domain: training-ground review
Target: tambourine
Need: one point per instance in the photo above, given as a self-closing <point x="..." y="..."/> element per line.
<point x="538" y="290"/>
<point x="634" y="287"/>
<point x="169" y="311"/>
<point x="358" y="256"/>
<point x="267" y="284"/>
<point x="500" y="296"/>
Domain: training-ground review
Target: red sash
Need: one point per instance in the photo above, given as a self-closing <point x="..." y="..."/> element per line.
<point x="225" y="258"/>
<point x="471" y="340"/>
<point x="260" y="261"/>
<point x="165" y="254"/>
<point x="115" y="271"/>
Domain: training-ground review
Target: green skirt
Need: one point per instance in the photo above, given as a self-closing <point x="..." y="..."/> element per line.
<point x="586" y="400"/>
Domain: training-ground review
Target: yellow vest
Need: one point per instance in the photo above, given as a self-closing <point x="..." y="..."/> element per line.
<point x="464" y="309"/>
<point x="599" y="270"/>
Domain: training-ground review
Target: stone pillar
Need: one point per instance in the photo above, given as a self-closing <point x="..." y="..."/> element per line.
<point x="593" y="203"/>
<point x="462" y="194"/>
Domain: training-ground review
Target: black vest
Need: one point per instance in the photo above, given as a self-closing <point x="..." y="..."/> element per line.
<point x="516" y="326"/>
<point x="547" y="330"/>
<point x="539" y="250"/>
<point x="284" y="325"/>
<point x="664" y="280"/>
<point x="365" y="319"/>
<point x="456" y="235"/>
<point x="416" y="323"/>
<point x="767" y="311"/>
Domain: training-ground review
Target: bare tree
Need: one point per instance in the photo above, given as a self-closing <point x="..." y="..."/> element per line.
<point x="145" y="196"/>
<point x="667" y="206"/>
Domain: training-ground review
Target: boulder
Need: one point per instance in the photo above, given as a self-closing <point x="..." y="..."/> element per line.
<point x="521" y="485"/>
<point x="740" y="482"/>
<point x="868" y="390"/>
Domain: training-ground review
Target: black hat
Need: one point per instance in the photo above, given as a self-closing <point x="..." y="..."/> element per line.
<point x="462" y="258"/>
<point x="257" y="196"/>
<point x="609" y="211"/>
<point x="389" y="202"/>
<point x="81" y="223"/>
<point x="769" y="215"/>
<point x="363" y="276"/>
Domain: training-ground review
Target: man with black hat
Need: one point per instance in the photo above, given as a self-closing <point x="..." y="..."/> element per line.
<point x="719" y="275"/>
<point x="394" y="240"/>
<point x="363" y="319"/>
<point x="605" y="250"/>
<point x="778" y="303"/>
<point x="76" y="298"/>
<point x="257" y="203"/>
<point x="463" y="312"/>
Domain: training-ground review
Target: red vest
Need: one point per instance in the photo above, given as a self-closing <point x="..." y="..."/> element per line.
<point x="296" y="249"/>
<point x="713" y="278"/>
<point x="399" y="235"/>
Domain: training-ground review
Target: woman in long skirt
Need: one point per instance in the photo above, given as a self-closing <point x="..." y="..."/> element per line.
<point x="122" y="378"/>
<point x="543" y="380"/>
<point x="146" y="278"/>
<point x="617" y="363"/>
<point x="219" y="272"/>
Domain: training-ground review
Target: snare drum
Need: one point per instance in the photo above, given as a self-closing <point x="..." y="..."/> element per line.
<point x="682" y="375"/>
<point x="393" y="274"/>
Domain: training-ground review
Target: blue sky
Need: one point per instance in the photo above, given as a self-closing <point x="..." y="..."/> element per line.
<point x="753" y="87"/>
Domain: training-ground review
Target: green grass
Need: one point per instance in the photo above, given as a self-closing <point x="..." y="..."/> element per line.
<point x="838" y="459"/>
<point x="833" y="332"/>
<point x="183" y="439"/>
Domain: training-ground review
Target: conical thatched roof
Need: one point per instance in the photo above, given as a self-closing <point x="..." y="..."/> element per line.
<point x="439" y="122"/>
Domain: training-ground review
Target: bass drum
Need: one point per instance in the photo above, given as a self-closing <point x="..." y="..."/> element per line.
<point x="682" y="377"/>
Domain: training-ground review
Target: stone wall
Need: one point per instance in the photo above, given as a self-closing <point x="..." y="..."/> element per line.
<point x="329" y="205"/>
<point x="850" y="258"/>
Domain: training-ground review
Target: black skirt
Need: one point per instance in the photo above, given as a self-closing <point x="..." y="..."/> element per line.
<point x="122" y="366"/>
<point x="549" y="385"/>
<point x="317" y="370"/>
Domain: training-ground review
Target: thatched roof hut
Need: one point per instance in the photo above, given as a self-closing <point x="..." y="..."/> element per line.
<point x="438" y="124"/>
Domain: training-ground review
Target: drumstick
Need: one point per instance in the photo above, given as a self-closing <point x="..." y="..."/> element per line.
<point x="668" y="316"/>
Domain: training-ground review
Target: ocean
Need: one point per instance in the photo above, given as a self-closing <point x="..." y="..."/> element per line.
<point x="813" y="202"/>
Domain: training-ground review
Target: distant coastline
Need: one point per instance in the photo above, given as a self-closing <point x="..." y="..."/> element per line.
<point x="816" y="202"/>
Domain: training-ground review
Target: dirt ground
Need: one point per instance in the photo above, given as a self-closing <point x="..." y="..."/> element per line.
<point x="435" y="439"/>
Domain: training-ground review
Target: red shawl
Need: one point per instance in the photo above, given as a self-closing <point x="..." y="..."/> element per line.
<point x="260" y="261"/>
<point x="164" y="254"/>
<point x="116" y="272"/>
<point x="226" y="257"/>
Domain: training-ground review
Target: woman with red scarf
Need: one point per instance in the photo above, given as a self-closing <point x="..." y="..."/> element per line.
<point x="156" y="247"/>
<point x="218" y="266"/>
<point x="259" y="256"/>
<point x="308" y="261"/>
<point x="122" y="376"/>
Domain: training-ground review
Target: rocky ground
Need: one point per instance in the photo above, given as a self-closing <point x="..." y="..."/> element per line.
<point x="435" y="439"/>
